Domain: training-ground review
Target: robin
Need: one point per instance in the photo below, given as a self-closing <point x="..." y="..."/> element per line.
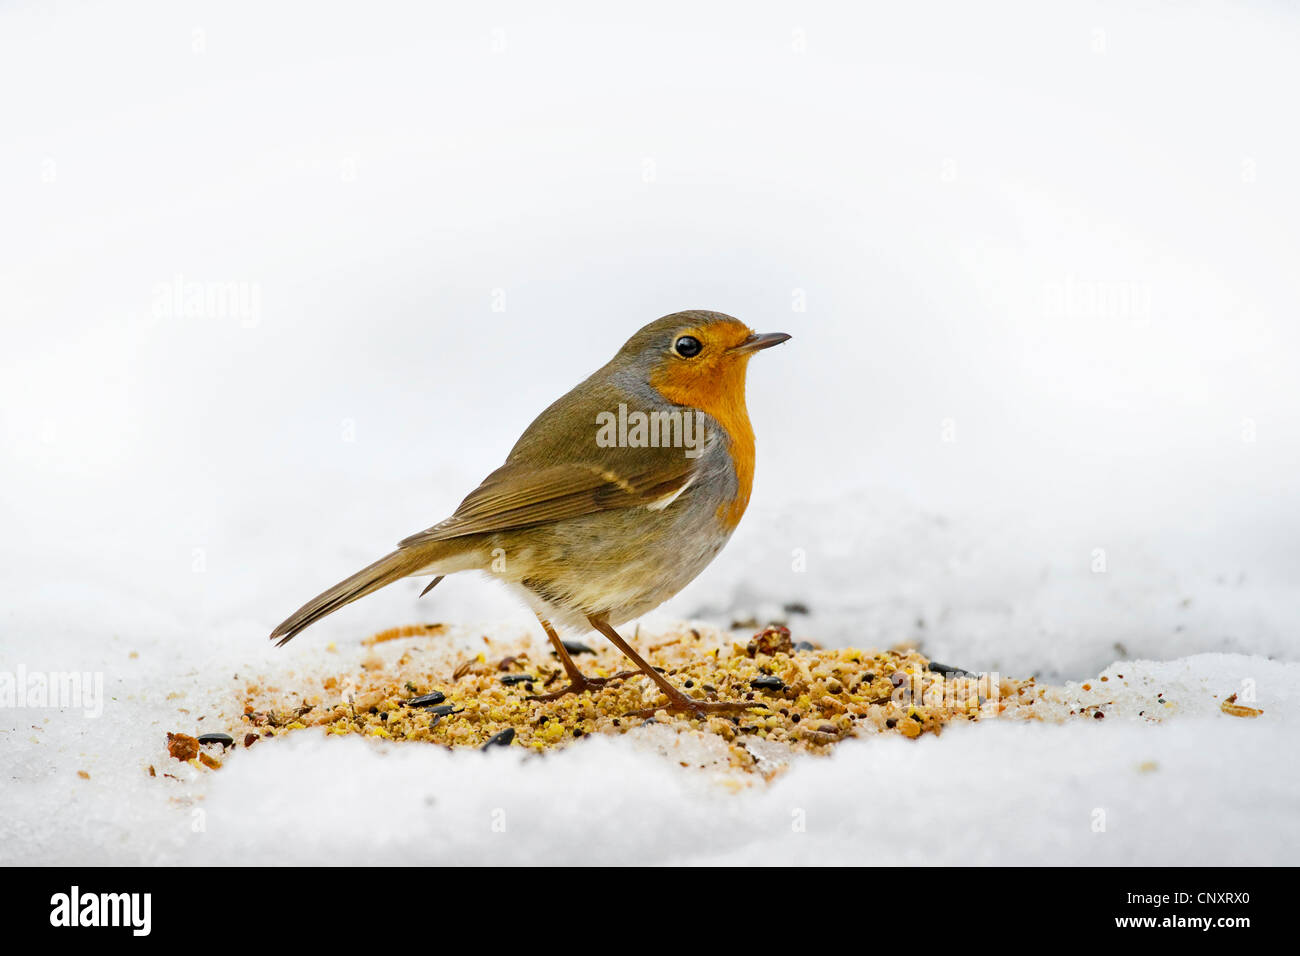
<point x="612" y="500"/>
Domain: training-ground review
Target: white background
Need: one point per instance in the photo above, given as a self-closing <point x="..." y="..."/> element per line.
<point x="1064" y="235"/>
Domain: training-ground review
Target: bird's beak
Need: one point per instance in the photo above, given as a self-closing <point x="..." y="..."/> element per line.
<point x="759" y="341"/>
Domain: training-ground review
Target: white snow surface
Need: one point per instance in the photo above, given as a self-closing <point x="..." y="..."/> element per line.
<point x="1039" y="414"/>
<point x="1196" y="787"/>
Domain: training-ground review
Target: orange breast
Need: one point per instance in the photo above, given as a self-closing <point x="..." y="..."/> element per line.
<point x="718" y="389"/>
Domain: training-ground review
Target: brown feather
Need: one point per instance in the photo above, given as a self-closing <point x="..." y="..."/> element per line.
<point x="520" y="494"/>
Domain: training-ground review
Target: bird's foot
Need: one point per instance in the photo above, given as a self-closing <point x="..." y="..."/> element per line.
<point x="580" y="683"/>
<point x="680" y="703"/>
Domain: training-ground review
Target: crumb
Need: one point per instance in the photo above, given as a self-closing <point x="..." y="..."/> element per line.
<point x="804" y="699"/>
<point x="182" y="746"/>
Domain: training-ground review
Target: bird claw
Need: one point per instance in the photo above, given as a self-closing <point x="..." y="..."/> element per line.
<point x="582" y="684"/>
<point x="698" y="708"/>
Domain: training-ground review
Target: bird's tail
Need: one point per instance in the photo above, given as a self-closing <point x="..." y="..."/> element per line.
<point x="392" y="567"/>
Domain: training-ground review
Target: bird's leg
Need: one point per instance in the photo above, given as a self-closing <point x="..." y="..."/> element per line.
<point x="578" y="682"/>
<point x="677" y="700"/>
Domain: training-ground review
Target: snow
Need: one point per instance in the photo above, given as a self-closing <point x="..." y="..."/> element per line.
<point x="997" y="794"/>
<point x="1198" y="787"/>
<point x="1038" y="414"/>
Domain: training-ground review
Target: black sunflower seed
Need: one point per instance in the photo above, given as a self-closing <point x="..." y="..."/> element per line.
<point x="948" y="670"/>
<point x="428" y="700"/>
<point x="500" y="740"/>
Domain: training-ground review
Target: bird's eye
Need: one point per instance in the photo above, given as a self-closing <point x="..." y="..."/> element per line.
<point x="688" y="346"/>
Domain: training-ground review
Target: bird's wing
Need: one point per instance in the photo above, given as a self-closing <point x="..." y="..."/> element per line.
<point x="519" y="494"/>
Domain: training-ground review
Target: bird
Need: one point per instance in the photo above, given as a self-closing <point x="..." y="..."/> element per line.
<point x="614" y="499"/>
